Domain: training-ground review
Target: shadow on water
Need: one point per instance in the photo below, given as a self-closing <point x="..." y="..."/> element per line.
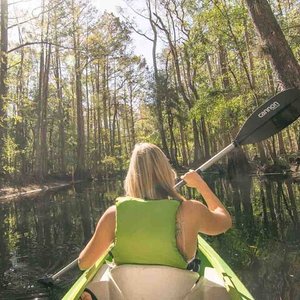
<point x="41" y="235"/>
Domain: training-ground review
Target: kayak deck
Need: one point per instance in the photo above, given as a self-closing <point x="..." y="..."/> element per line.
<point x="215" y="280"/>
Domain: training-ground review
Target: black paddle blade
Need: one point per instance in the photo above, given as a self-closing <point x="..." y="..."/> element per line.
<point x="271" y="117"/>
<point x="46" y="280"/>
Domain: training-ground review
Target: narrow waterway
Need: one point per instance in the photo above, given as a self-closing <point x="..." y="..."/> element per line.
<point x="42" y="234"/>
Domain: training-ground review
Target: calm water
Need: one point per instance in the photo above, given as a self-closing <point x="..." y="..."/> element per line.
<point x="41" y="235"/>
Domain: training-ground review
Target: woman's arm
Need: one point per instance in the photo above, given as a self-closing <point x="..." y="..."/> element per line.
<point x="103" y="236"/>
<point x="213" y="219"/>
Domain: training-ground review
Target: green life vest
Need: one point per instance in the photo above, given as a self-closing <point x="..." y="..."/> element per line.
<point x="146" y="233"/>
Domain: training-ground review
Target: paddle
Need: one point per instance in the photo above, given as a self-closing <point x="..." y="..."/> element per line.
<point x="268" y="119"/>
<point x="49" y="279"/>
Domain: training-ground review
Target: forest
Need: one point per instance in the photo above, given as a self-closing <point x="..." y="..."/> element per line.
<point x="75" y="97"/>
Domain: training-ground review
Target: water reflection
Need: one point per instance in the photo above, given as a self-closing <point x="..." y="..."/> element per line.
<point x="264" y="247"/>
<point x="41" y="235"/>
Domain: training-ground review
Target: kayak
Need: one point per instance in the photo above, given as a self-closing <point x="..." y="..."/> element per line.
<point x="215" y="280"/>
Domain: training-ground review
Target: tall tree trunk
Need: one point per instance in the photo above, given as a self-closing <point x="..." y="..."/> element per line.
<point x="276" y="46"/>
<point x="109" y="110"/>
<point x="205" y="138"/>
<point x="80" y="171"/>
<point x="98" y="131"/>
<point x="133" y="138"/>
<point x="173" y="144"/>
<point x="114" y="124"/>
<point x="297" y="134"/>
<point x="88" y="121"/>
<point x="270" y="77"/>
<point x="3" y="75"/>
<point x="44" y="121"/>
<point x="121" y="161"/>
<point x="293" y="202"/>
<point x="210" y="73"/>
<point x="41" y="162"/>
<point x="282" y="150"/>
<point x="182" y="141"/>
<point x="21" y="127"/>
<point x="105" y="107"/>
<point x="249" y="52"/>
<point x="80" y="168"/>
<point x="158" y="102"/>
<point x="59" y="94"/>
<point x="222" y="56"/>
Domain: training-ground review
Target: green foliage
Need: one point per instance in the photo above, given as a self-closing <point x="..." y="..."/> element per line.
<point x="216" y="106"/>
<point x="110" y="161"/>
<point x="9" y="156"/>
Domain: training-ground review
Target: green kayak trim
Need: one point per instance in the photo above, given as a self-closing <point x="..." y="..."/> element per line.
<point x="209" y="258"/>
<point x="78" y="287"/>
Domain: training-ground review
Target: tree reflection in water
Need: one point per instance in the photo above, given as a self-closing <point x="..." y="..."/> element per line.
<point x="41" y="235"/>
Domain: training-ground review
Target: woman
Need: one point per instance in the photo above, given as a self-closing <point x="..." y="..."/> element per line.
<point x="152" y="199"/>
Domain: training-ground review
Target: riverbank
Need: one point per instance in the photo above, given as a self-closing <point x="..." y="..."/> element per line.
<point x="10" y="192"/>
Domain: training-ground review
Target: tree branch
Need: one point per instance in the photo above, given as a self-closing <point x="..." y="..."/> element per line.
<point x="42" y="42"/>
<point x="141" y="33"/>
<point x="35" y="17"/>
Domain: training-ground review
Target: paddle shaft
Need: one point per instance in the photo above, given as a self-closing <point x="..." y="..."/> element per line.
<point x="210" y="162"/>
<point x="65" y="269"/>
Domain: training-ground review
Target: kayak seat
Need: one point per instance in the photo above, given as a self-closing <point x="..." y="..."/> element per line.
<point x="136" y="282"/>
<point x="147" y="282"/>
<point x="210" y="287"/>
<point x="100" y="283"/>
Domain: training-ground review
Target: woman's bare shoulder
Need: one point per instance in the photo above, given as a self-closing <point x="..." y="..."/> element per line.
<point x="206" y="221"/>
<point x="111" y="210"/>
<point x="191" y="205"/>
<point x="192" y="209"/>
<point x="110" y="213"/>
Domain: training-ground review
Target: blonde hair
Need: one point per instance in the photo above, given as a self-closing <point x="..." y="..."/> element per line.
<point x="150" y="175"/>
